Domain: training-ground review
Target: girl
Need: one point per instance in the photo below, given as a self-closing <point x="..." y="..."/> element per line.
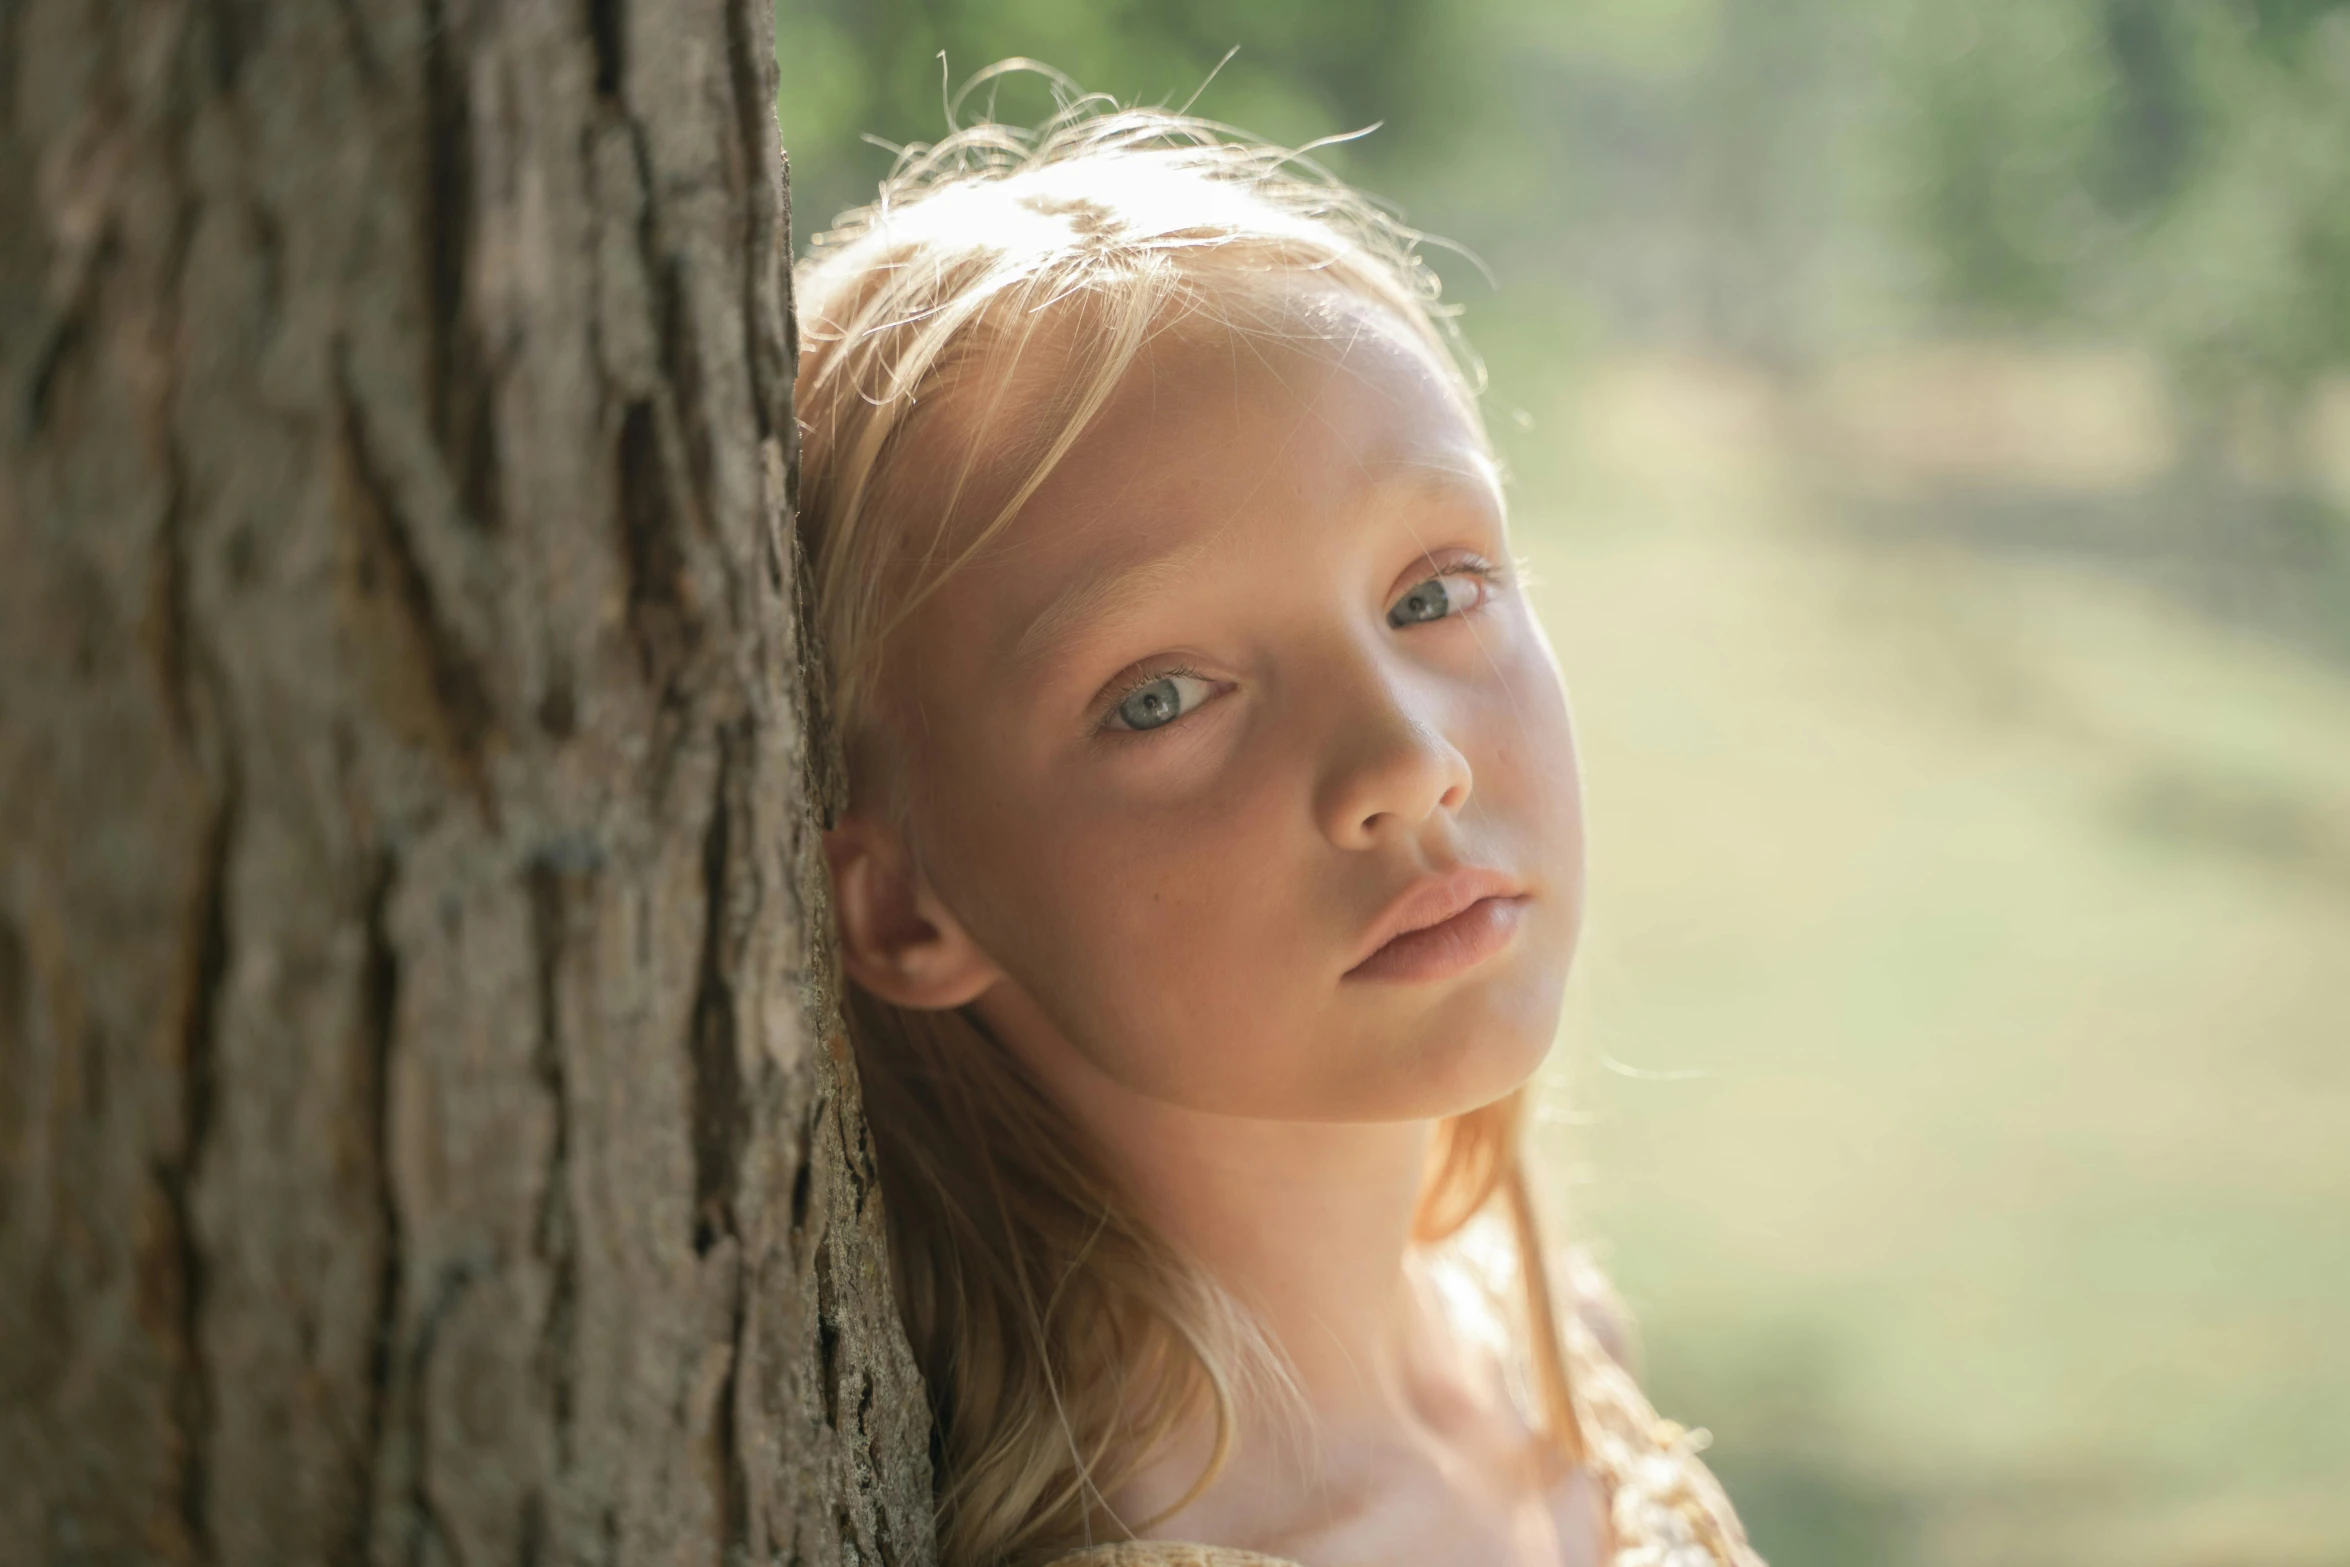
<point x="1209" y="873"/>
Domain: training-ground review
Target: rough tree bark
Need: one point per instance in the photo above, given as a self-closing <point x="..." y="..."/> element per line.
<point x="421" y="1136"/>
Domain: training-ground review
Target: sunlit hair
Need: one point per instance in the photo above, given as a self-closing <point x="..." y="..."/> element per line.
<point x="1063" y="1340"/>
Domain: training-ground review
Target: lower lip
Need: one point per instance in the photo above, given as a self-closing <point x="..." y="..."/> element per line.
<point x="1441" y="951"/>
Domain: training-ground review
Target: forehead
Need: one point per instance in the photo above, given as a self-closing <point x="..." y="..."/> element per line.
<point x="1223" y="440"/>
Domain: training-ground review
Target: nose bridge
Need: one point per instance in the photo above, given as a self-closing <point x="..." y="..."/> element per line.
<point x="1385" y="762"/>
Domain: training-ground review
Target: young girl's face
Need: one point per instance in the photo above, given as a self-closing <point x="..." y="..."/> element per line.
<point x="1245" y="689"/>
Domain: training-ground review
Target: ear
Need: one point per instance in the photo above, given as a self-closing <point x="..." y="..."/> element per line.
<point x="897" y="939"/>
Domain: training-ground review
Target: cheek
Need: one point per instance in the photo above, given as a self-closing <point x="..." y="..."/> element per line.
<point x="1175" y="927"/>
<point x="1528" y="770"/>
<point x="1532" y="783"/>
<point x="1165" y="944"/>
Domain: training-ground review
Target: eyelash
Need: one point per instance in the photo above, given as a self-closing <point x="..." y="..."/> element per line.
<point x="1495" y="578"/>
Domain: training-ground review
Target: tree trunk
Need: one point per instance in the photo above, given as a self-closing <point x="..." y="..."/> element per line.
<point x="424" y="1135"/>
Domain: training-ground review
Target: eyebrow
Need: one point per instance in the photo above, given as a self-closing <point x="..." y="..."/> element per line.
<point x="1100" y="598"/>
<point x="1104" y="597"/>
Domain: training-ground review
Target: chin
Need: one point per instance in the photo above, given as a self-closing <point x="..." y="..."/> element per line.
<point x="1495" y="1066"/>
<point x="1430" y="1075"/>
<point x="1498" y="1041"/>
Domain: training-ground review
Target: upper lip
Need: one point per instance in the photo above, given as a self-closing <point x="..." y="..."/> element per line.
<point x="1434" y="899"/>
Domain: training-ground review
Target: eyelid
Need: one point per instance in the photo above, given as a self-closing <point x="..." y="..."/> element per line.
<point x="1106" y="707"/>
<point x="1464" y="563"/>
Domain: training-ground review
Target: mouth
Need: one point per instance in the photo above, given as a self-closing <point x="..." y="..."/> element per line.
<point x="1444" y="926"/>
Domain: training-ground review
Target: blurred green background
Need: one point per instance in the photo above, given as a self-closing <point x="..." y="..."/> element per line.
<point x="1930" y="422"/>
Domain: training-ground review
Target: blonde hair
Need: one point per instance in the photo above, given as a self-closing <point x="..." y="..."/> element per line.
<point x="1063" y="1340"/>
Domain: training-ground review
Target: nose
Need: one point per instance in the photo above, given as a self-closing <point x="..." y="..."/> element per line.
<point x="1387" y="768"/>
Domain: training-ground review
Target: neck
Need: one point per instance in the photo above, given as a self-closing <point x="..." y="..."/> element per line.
<point x="1307" y="1223"/>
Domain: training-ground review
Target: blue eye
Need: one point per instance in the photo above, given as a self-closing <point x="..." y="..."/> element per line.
<point x="1159" y="702"/>
<point x="1445" y="594"/>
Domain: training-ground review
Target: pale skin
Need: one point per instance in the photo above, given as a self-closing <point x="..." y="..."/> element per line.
<point x="1249" y="668"/>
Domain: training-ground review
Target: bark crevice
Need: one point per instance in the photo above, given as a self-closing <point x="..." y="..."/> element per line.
<point x="751" y="76"/>
<point x="460" y="379"/>
<point x="193" y="1392"/>
<point x="651" y="547"/>
<point x="720" y="1107"/>
<point x="66" y="339"/>
<point x="460" y="691"/>
<point x="607" y="30"/>
<point x="379" y="1020"/>
<point x="428" y="1532"/>
<point x="552" y="872"/>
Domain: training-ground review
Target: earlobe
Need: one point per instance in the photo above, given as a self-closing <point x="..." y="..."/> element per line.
<point x="897" y="939"/>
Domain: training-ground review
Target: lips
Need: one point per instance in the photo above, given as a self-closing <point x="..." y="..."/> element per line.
<point x="1442" y="925"/>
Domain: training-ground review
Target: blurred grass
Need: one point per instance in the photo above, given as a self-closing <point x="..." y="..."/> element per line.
<point x="1959" y="1066"/>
